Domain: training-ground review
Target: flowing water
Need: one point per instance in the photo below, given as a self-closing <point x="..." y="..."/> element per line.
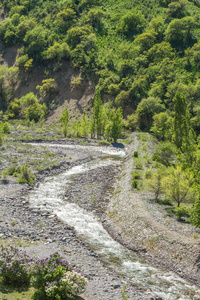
<point x="49" y="195"/>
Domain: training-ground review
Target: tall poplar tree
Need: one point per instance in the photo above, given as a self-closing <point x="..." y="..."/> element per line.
<point x="181" y="121"/>
<point x="97" y="115"/>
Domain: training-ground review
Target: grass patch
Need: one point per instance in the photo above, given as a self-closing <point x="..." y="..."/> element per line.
<point x="10" y="293"/>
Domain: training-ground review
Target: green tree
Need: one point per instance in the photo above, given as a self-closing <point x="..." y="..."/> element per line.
<point x="162" y="126"/>
<point x="165" y="153"/>
<point x="132" y="23"/>
<point x="146" y="110"/>
<point x="117" y="125"/>
<point x="181" y="120"/>
<point x="76" y="34"/>
<point x="65" y="120"/>
<point x="178" y="185"/>
<point x="97" y="115"/>
<point x="177" y="9"/>
<point x="195" y="211"/>
<point x="180" y="32"/>
<point x="84" y="126"/>
<point x="160" y="51"/>
<point x="36" y="41"/>
<point x="146" y="40"/>
<point x="65" y="19"/>
<point x="155" y="182"/>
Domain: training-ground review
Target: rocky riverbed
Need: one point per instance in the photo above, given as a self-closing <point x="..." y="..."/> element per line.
<point x="42" y="233"/>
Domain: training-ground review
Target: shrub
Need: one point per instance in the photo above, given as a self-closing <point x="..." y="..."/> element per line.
<point x="135" y="175"/>
<point x="14" y="266"/>
<point x="14" y="170"/>
<point x="6" y="128"/>
<point x="181" y="212"/>
<point x="138" y="164"/>
<point x="1" y="140"/>
<point x="4" y="174"/>
<point x="195" y="211"/>
<point x="25" y="175"/>
<point x="134" y="184"/>
<point x="148" y="174"/>
<point x="165" y="202"/>
<point x="55" y="279"/>
<point x="135" y="154"/>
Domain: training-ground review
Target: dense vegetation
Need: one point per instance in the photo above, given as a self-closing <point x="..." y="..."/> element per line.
<point x="142" y="55"/>
<point x="137" y="50"/>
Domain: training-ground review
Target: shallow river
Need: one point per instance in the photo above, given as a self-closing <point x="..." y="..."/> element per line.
<point x="49" y="195"/>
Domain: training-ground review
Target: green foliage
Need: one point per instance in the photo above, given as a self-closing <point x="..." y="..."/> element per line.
<point x="135" y="51"/>
<point x="14" y="266"/>
<point x="162" y="126"/>
<point x="25" y="176"/>
<point x="165" y="153"/>
<point x="36" y="41"/>
<point x="155" y="182"/>
<point x="195" y="211"/>
<point x="116" y="127"/>
<point x="31" y="108"/>
<point x="14" y="108"/>
<point x="132" y="23"/>
<point x="57" y="52"/>
<point x="180" y="32"/>
<point x="64" y="19"/>
<point x="6" y="128"/>
<point x="134" y="184"/>
<point x="181" y="120"/>
<point x="178" y="185"/>
<point x="48" y="87"/>
<point x="65" y="120"/>
<point x="55" y="279"/>
<point x="181" y="212"/>
<point x="1" y="140"/>
<point x="146" y="110"/>
<point x="132" y="122"/>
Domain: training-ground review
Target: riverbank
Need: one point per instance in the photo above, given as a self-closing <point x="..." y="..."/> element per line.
<point x="133" y="221"/>
<point x="41" y="233"/>
<point x="142" y="225"/>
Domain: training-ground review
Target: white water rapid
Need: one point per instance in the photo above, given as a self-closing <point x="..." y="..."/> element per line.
<point x="49" y="195"/>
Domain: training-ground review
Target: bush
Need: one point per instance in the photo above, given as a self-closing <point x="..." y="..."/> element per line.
<point x="55" y="279"/>
<point x="148" y="174"/>
<point x="25" y="175"/>
<point x="14" y="170"/>
<point x="14" y="266"/>
<point x="6" y="128"/>
<point x="181" y="212"/>
<point x="134" y="184"/>
<point x="135" y="175"/>
<point x="135" y="154"/>
<point x="1" y="140"/>
<point x="138" y="164"/>
<point x="165" y="202"/>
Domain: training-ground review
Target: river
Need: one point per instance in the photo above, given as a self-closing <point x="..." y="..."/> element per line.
<point x="49" y="196"/>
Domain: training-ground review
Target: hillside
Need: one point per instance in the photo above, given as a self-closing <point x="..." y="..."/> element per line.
<point x="129" y="50"/>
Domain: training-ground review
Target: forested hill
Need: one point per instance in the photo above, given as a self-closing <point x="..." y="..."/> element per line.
<point x="138" y="53"/>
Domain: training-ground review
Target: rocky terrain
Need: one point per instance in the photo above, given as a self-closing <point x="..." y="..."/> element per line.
<point x="127" y="215"/>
